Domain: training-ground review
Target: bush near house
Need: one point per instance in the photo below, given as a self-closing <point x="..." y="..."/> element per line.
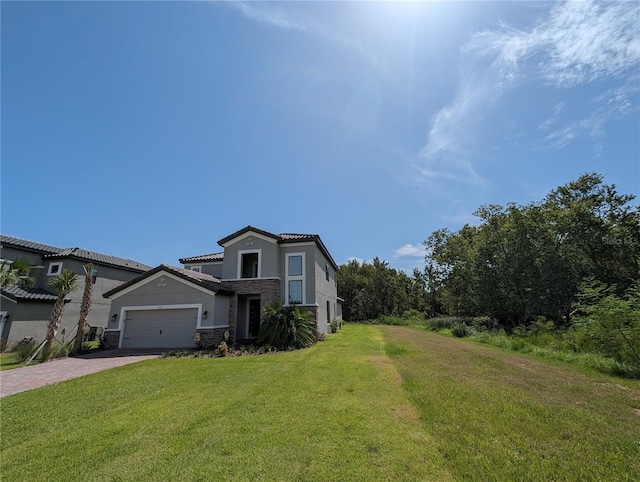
<point x="287" y="326"/>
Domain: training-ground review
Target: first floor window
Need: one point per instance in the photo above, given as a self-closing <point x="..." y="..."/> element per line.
<point x="295" y="292"/>
<point x="328" y="312"/>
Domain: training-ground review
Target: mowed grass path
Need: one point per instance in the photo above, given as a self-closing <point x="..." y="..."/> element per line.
<point x="500" y="416"/>
<point x="332" y="412"/>
<point x="370" y="403"/>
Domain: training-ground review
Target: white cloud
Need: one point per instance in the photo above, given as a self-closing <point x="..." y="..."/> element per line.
<point x="611" y="104"/>
<point x="359" y="260"/>
<point x="411" y="250"/>
<point x="287" y="18"/>
<point x="577" y="43"/>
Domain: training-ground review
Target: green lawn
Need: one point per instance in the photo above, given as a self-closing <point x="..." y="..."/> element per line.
<point x="370" y="403"/>
<point x="8" y="361"/>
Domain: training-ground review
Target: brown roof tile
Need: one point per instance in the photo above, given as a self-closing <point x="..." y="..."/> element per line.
<point x="92" y="256"/>
<point x="203" y="258"/>
<point x="34" y="294"/>
<point x="203" y="280"/>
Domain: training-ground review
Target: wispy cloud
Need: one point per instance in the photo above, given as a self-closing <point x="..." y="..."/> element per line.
<point x="287" y="18"/>
<point x="609" y="105"/>
<point x="576" y="44"/>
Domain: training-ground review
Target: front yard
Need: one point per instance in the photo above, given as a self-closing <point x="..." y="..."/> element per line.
<point x="370" y="403"/>
<point x="9" y="361"/>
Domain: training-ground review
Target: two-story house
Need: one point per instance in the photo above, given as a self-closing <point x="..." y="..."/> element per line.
<point x="26" y="313"/>
<point x="223" y="294"/>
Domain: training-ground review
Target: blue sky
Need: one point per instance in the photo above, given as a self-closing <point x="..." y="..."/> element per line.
<point x="150" y="130"/>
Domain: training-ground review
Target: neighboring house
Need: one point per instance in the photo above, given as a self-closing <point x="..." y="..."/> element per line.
<point x="26" y="313"/>
<point x="225" y="293"/>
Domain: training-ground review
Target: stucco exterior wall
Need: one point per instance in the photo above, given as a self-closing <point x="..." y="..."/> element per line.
<point x="268" y="259"/>
<point x="163" y="290"/>
<point x="32" y="322"/>
<point x="37" y="314"/>
<point x="326" y="291"/>
<point x="309" y="269"/>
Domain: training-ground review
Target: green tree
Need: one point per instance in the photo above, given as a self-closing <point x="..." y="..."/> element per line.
<point x="62" y="285"/>
<point x="521" y="262"/>
<point x="609" y="324"/>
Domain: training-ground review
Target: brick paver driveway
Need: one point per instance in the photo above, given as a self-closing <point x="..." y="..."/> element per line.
<point x="35" y="376"/>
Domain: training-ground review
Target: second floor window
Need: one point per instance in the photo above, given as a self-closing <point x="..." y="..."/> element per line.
<point x="249" y="267"/>
<point x="295" y="279"/>
<point x="55" y="269"/>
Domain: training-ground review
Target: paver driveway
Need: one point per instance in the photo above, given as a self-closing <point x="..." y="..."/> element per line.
<point x="35" y="376"/>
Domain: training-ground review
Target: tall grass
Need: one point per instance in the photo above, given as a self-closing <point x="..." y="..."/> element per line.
<point x="541" y="338"/>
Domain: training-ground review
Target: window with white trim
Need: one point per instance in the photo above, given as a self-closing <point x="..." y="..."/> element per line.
<point x="55" y="268"/>
<point x="249" y="263"/>
<point x="197" y="269"/>
<point x="294" y="284"/>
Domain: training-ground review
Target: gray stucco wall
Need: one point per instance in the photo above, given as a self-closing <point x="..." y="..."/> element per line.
<point x="309" y="269"/>
<point x="325" y="291"/>
<point x="37" y="314"/>
<point x="214" y="269"/>
<point x="269" y="256"/>
<point x="31" y="322"/>
<point x="164" y="290"/>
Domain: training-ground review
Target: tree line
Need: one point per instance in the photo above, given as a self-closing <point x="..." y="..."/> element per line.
<point x="518" y="263"/>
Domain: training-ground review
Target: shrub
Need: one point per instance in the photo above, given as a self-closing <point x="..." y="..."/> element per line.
<point x="59" y="350"/>
<point x="412" y="314"/>
<point x="287" y="326"/>
<point x="335" y="326"/>
<point x="24" y="349"/>
<point x="462" y="330"/>
<point x="610" y="324"/>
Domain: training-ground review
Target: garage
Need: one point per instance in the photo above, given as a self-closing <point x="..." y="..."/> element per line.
<point x="165" y="307"/>
<point x="161" y="328"/>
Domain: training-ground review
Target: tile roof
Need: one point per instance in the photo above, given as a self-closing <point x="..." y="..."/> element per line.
<point x="92" y="256"/>
<point x="54" y="252"/>
<point x="283" y="238"/>
<point x="203" y="258"/>
<point x="246" y="230"/>
<point x="203" y="280"/>
<point x="34" y="294"/>
<point x="25" y="243"/>
<point x="298" y="237"/>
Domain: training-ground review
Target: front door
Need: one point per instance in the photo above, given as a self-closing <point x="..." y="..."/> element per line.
<point x="254" y="317"/>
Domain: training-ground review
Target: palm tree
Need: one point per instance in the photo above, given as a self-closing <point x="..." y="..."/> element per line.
<point x="85" y="306"/>
<point x="62" y="285"/>
<point x="16" y="274"/>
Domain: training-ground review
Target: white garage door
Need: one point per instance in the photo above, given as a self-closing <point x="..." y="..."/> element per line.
<point x="171" y="328"/>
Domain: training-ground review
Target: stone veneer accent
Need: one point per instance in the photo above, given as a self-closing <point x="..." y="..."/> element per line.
<point x="111" y="339"/>
<point x="212" y="337"/>
<point x="268" y="289"/>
